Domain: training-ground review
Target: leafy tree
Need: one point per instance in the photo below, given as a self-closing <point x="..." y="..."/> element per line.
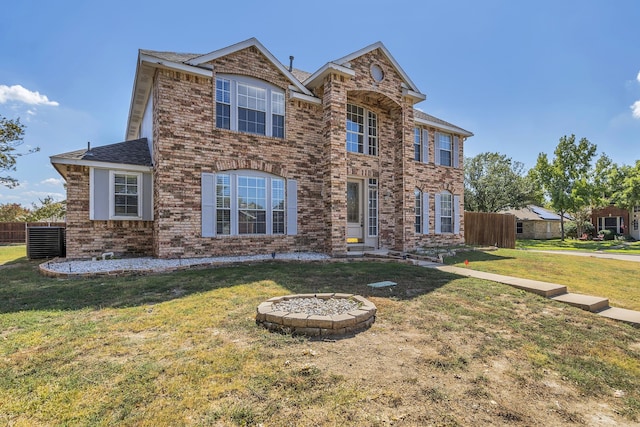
<point x="13" y="212"/>
<point x="625" y="185"/>
<point x="493" y="182"/>
<point x="48" y="210"/>
<point x="11" y="136"/>
<point x="567" y="180"/>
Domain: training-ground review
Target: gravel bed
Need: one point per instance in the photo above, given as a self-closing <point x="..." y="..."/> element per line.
<point x="156" y="264"/>
<point x="318" y="306"/>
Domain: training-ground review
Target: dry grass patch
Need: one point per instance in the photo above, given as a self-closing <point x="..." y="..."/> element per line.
<point x="444" y="350"/>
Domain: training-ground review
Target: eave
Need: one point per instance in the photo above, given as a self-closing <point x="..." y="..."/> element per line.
<point x="317" y="78"/>
<point x="443" y="126"/>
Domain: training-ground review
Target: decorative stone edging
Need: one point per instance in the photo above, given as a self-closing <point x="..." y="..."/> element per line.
<point x="316" y="325"/>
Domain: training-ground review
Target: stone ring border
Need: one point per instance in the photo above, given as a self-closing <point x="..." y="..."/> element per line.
<point x="313" y="325"/>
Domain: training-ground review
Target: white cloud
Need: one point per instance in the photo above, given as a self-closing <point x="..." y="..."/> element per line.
<point x="635" y="108"/>
<point x="20" y="94"/>
<point x="52" y="181"/>
<point x="638" y="76"/>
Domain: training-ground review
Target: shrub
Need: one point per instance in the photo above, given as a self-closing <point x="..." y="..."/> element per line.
<point x="571" y="229"/>
<point x="607" y="234"/>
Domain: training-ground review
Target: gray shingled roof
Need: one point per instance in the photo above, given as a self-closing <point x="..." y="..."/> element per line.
<point x="301" y="75"/>
<point x="134" y="152"/>
<point x="171" y="56"/>
<point x="425" y="116"/>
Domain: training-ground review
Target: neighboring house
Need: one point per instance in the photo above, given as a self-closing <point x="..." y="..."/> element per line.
<point x="232" y="152"/>
<point x="534" y="222"/>
<point x="618" y="220"/>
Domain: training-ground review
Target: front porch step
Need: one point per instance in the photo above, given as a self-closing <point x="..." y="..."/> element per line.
<point x="585" y="302"/>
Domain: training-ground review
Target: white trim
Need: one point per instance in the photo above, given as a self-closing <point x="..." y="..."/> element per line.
<point x="379" y="45"/>
<point x="170" y="65"/>
<point x="413" y="95"/>
<point x="234" y="104"/>
<point x="112" y="195"/>
<point x="91" y="194"/>
<point x="100" y="165"/>
<point x="199" y="60"/>
<point x="303" y="97"/>
<point x="316" y="79"/>
<point x="441" y="126"/>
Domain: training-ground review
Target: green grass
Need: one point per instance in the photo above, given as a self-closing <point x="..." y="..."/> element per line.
<point x="608" y="278"/>
<point x="12" y="253"/>
<point x="613" y="246"/>
<point x="184" y="349"/>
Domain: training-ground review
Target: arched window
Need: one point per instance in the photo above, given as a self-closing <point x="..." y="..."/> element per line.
<point x="249" y="105"/>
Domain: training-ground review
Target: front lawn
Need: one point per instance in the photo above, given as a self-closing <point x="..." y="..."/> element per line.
<point x="614" y="246"/>
<point x="184" y="349"/>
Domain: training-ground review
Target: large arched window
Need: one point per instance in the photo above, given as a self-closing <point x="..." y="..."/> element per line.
<point x="249" y="105"/>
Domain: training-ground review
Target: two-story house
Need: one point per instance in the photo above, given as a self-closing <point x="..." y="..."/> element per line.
<point x="232" y="152"/>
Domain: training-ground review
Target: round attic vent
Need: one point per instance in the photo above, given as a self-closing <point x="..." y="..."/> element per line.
<point x="376" y="73"/>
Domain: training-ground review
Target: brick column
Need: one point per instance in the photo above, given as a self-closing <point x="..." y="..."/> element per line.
<point x="334" y="103"/>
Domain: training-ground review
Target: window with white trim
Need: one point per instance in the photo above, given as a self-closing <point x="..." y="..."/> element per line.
<point x="249" y="105"/>
<point x="444" y="146"/>
<point x="249" y="202"/>
<point x="417" y="144"/>
<point x="362" y="137"/>
<point x="446" y="213"/>
<point x="373" y="207"/>
<point x="125" y="195"/>
<point x="418" y="210"/>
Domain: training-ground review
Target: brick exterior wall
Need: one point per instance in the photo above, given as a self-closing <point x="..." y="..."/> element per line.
<point x="313" y="152"/>
<point x="86" y="238"/>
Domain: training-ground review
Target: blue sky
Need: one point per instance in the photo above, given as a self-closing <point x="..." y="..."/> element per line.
<point x="518" y="74"/>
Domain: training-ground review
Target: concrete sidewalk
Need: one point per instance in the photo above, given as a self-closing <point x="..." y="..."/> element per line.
<point x="607" y="255"/>
<point x="553" y="291"/>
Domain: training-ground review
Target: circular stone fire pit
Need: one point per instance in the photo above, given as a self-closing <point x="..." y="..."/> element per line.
<point x="317" y="314"/>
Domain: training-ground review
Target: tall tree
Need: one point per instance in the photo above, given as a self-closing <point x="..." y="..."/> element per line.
<point x="11" y="136"/>
<point x="13" y="212"/>
<point x="493" y="182"/>
<point x="49" y="210"/>
<point x="567" y="179"/>
<point x="625" y="186"/>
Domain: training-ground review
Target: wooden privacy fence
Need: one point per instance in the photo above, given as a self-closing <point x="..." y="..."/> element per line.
<point x="497" y="229"/>
<point x="16" y="232"/>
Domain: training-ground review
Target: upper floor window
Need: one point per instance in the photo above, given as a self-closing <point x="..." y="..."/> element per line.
<point x="444" y="148"/>
<point x="417" y="145"/>
<point x="249" y="105"/>
<point x="362" y="136"/>
<point x="420" y="145"/>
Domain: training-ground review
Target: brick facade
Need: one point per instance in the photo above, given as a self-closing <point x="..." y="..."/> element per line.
<point x="187" y="143"/>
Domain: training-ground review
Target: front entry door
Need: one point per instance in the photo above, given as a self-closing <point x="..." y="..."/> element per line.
<point x="355" y="214"/>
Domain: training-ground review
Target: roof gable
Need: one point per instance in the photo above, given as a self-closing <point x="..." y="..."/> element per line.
<point x="344" y="61"/>
<point x="199" y="61"/>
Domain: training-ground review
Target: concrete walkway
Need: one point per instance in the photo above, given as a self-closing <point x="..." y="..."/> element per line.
<point x="621" y="257"/>
<point x="553" y="291"/>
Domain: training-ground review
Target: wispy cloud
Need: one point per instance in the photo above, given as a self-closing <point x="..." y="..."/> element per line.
<point x="52" y="181"/>
<point x="20" y="94"/>
<point x="635" y="107"/>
